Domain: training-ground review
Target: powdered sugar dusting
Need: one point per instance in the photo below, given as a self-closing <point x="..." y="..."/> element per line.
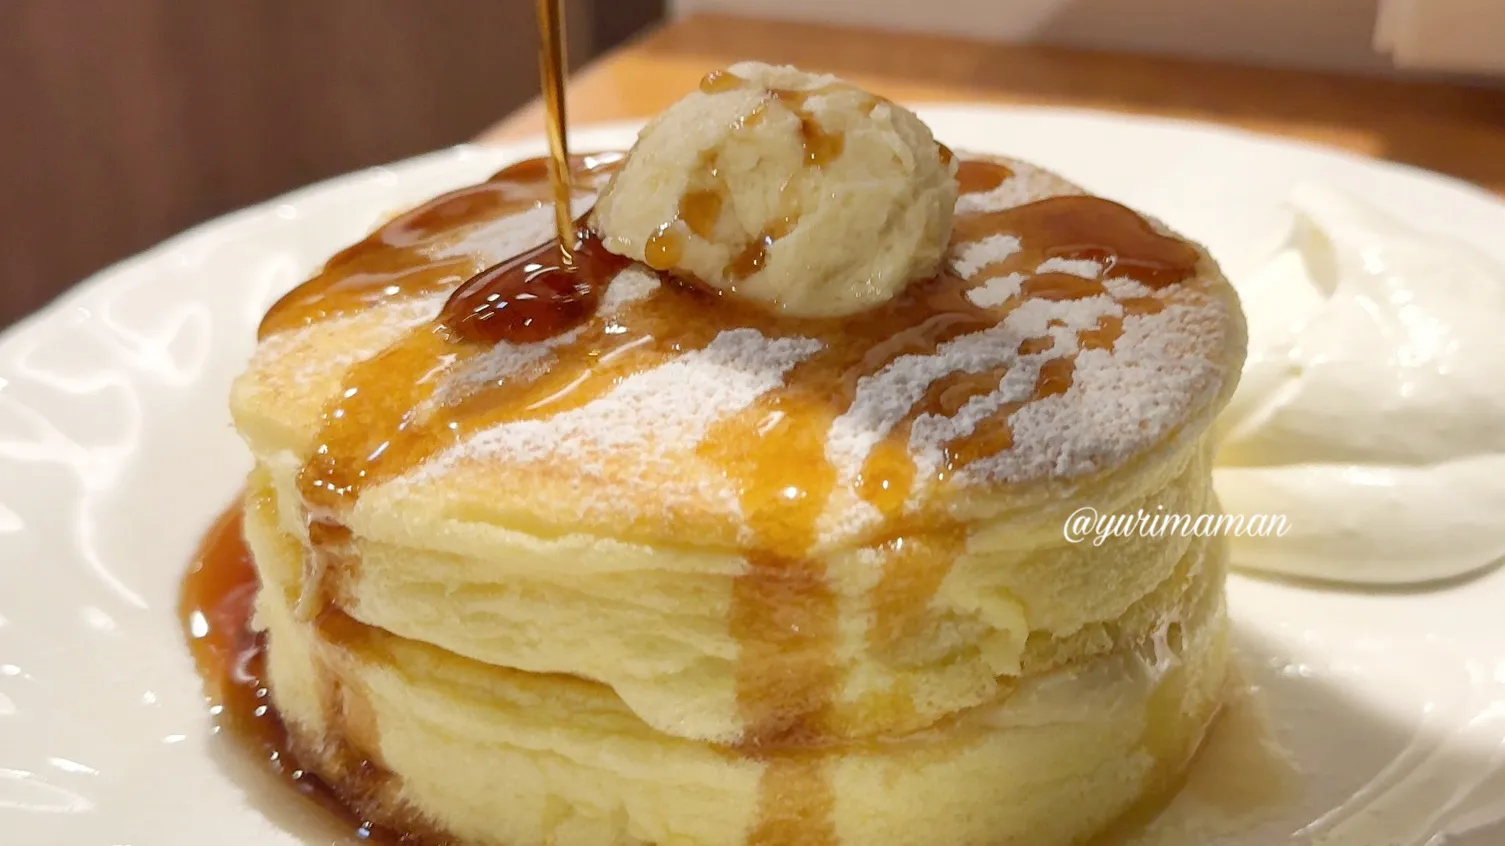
<point x="885" y="398"/>
<point x="631" y="285"/>
<point x="1028" y="184"/>
<point x="1151" y="379"/>
<point x="387" y="322"/>
<point x="996" y="291"/>
<point x="967" y="259"/>
<point x="1162" y="367"/>
<point x="1085" y="268"/>
<point x="1120" y="402"/>
<point x="1123" y="288"/>
<point x="647" y="423"/>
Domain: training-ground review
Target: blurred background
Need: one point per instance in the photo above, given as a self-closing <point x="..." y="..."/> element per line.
<point x="126" y="121"/>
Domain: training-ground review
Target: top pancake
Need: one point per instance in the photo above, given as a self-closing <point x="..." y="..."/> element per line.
<point x="753" y="529"/>
<point x="653" y="420"/>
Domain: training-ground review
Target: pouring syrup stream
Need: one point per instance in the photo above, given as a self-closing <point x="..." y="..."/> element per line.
<point x="551" y="68"/>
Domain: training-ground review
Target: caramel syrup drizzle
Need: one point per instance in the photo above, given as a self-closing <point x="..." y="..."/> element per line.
<point x="551" y="69"/>
<point x="397" y="260"/>
<point x="386" y="420"/>
<point x="215" y="607"/>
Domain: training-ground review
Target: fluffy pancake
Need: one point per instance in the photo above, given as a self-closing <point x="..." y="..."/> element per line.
<point x="817" y="569"/>
<point x="423" y="739"/>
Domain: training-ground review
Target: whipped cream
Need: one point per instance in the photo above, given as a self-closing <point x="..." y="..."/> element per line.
<point x="1372" y="407"/>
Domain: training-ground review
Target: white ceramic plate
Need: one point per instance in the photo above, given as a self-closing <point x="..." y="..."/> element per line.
<point x="116" y="451"/>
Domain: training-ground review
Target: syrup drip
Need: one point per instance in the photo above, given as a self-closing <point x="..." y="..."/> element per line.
<point x="395" y="262"/>
<point x="591" y="169"/>
<point x="821" y="146"/>
<point x="1060" y="227"/>
<point x="717" y="82"/>
<point x="534" y="296"/>
<point x="665" y="247"/>
<point x="886" y="479"/>
<point x="215" y="606"/>
<point x="551" y="69"/>
<point x="752" y="257"/>
<point x="1037" y="344"/>
<point x="699" y="209"/>
<point x="390" y="417"/>
<point x="976" y="176"/>
<point x="1083" y="227"/>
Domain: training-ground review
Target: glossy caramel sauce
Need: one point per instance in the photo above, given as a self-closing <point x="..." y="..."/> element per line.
<point x="536" y="295"/>
<point x="1085" y="227"/>
<point x="977" y="177"/>
<point x="215" y="607"/>
<point x="699" y="210"/>
<point x="721" y="81"/>
<point x="390" y="417"/>
<point x="665" y="247"/>
<point x="397" y="260"/>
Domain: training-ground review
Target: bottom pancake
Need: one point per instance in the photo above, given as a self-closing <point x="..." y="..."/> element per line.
<point x="421" y="739"/>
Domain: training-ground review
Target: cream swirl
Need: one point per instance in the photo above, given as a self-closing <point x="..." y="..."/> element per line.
<point x="1372" y="408"/>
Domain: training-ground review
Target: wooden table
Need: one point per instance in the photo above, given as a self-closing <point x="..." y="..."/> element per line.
<point x="1453" y="129"/>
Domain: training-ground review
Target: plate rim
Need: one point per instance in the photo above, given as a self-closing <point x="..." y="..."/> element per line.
<point x="102" y="284"/>
<point x="509" y="147"/>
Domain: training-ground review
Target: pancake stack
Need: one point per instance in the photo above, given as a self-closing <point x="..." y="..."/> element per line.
<point x="687" y="573"/>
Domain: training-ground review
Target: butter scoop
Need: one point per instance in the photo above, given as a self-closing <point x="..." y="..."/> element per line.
<point x="795" y="190"/>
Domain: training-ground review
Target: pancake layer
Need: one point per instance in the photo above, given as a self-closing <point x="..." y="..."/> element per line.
<point x="426" y="740"/>
<point x="929" y="624"/>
